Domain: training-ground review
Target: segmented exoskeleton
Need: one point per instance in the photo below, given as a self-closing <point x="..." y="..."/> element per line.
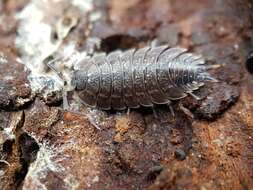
<point x="145" y="77"/>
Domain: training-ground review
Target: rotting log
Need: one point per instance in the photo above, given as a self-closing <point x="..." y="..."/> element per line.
<point x="44" y="147"/>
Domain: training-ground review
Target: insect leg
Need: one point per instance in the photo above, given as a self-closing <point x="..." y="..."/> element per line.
<point x="91" y="117"/>
<point x="186" y="111"/>
<point x="128" y="111"/>
<point x="53" y="68"/>
<point x="5" y="162"/>
<point x="65" y="100"/>
<point x="91" y="120"/>
<point x="60" y="75"/>
<point x="50" y="64"/>
<point x="154" y="112"/>
<point x="194" y="96"/>
<point x="171" y="109"/>
<point x="214" y="66"/>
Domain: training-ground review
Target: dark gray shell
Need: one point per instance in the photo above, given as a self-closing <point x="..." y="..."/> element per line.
<point x="146" y="76"/>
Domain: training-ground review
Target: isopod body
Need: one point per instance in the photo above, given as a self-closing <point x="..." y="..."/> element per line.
<point x="141" y="77"/>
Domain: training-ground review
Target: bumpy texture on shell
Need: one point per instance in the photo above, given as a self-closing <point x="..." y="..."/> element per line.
<point x="146" y="76"/>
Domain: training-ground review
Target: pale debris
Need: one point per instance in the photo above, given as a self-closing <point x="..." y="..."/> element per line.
<point x="9" y="131"/>
<point x="35" y="43"/>
<point x="83" y="5"/>
<point x="45" y="162"/>
<point x="1" y="173"/>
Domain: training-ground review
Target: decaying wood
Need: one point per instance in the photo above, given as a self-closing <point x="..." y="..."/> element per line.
<point x="43" y="147"/>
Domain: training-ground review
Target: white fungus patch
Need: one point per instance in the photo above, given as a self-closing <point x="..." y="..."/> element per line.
<point x="34" y="35"/>
<point x="3" y="59"/>
<point x="46" y="162"/>
<point x="38" y="170"/>
<point x="35" y="44"/>
<point x="38" y="21"/>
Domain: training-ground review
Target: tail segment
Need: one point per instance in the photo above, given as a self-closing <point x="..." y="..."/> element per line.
<point x="204" y="76"/>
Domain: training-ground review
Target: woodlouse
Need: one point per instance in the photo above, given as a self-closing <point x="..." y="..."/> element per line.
<point x="142" y="77"/>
